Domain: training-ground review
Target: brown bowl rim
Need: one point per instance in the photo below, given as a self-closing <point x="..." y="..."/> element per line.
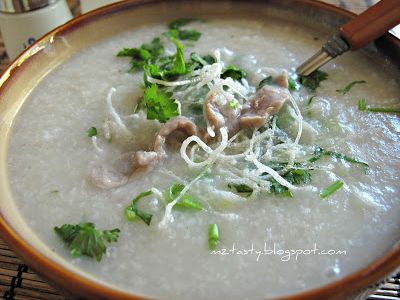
<point x="83" y="286"/>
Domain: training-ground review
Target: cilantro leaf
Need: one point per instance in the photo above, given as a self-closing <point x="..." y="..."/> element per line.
<point x="313" y="80"/>
<point x="85" y="239"/>
<point x="132" y="211"/>
<point x="318" y="152"/>
<point x="295" y="176"/>
<point x="179" y="67"/>
<point x="186" y="202"/>
<point x="241" y="188"/>
<point x="265" y="81"/>
<point x="92" y="131"/>
<point x="176" y="24"/>
<point x="159" y="104"/>
<point x="148" y="52"/>
<point x="292" y="84"/>
<point x="348" y="87"/>
<point x="234" y="72"/>
<point x="156" y="48"/>
<point x="191" y="35"/>
<point x="362" y="106"/>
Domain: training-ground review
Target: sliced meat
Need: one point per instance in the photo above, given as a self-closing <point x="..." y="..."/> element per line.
<point x="130" y="164"/>
<point x="173" y="133"/>
<point x="282" y="80"/>
<point x="219" y="113"/>
<point x="266" y="102"/>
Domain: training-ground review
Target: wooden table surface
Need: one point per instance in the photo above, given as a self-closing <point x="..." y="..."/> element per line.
<point x="19" y="282"/>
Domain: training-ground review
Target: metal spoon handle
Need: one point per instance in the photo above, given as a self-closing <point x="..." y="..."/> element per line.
<point x="361" y="30"/>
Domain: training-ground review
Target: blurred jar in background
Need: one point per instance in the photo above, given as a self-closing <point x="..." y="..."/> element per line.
<point x="87" y="5"/>
<point x="24" y="21"/>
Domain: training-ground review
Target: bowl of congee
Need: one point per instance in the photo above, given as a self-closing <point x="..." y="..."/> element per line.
<point x="169" y="150"/>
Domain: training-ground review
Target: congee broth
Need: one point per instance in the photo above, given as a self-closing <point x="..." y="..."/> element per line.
<point x="202" y="166"/>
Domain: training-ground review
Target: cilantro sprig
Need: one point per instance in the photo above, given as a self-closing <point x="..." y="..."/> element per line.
<point x="234" y="72"/>
<point x="85" y="239"/>
<point x="241" y="188"/>
<point x="348" y="87"/>
<point x="159" y="104"/>
<point x="362" y="106"/>
<point x="319" y="152"/>
<point x="186" y="202"/>
<point x="313" y="81"/>
<point x="133" y="211"/>
<point x="147" y="53"/>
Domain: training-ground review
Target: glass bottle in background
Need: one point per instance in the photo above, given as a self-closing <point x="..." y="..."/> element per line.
<point x="24" y="21"/>
<point x="87" y="5"/>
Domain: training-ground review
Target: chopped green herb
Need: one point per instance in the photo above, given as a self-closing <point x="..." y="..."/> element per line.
<point x="233" y="104"/>
<point x="348" y="87"/>
<point x="186" y="202"/>
<point x="92" y="131"/>
<point x="196" y="108"/>
<point x="241" y="188"/>
<point x="292" y="84"/>
<point x="310" y="100"/>
<point x="180" y="22"/>
<point x="234" y="72"/>
<point x="202" y="60"/>
<point x="191" y="35"/>
<point x="313" y="80"/>
<point x="213" y="236"/>
<point x="159" y="104"/>
<point x="331" y="189"/>
<point x="146" y="53"/>
<point x="265" y="81"/>
<point x="298" y="176"/>
<point x="179" y="60"/>
<point x="362" y="105"/>
<point x="85" y="239"/>
<point x="295" y="176"/>
<point x="318" y="152"/>
<point x="278" y="189"/>
<point x="132" y="211"/>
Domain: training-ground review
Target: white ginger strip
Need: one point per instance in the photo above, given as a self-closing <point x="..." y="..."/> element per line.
<point x="114" y="113"/>
<point x="213" y="154"/>
<point x="263" y="168"/>
<point x="173" y="83"/>
<point x="95" y="145"/>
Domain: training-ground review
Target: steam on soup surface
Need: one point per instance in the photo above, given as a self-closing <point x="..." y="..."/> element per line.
<point x="260" y="160"/>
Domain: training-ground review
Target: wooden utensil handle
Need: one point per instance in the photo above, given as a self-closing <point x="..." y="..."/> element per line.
<point x="371" y="24"/>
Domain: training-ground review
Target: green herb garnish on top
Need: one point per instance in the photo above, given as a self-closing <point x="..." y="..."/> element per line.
<point x="185" y="202"/>
<point x="241" y="188"/>
<point x="132" y="211"/>
<point x="213" y="236"/>
<point x="159" y="104"/>
<point x="175" y="30"/>
<point x="333" y="188"/>
<point x="92" y="131"/>
<point x="234" y="72"/>
<point x="147" y="53"/>
<point x="85" y="239"/>
<point x="319" y="152"/>
<point x="348" y="87"/>
<point x="362" y="106"/>
<point x="313" y="81"/>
